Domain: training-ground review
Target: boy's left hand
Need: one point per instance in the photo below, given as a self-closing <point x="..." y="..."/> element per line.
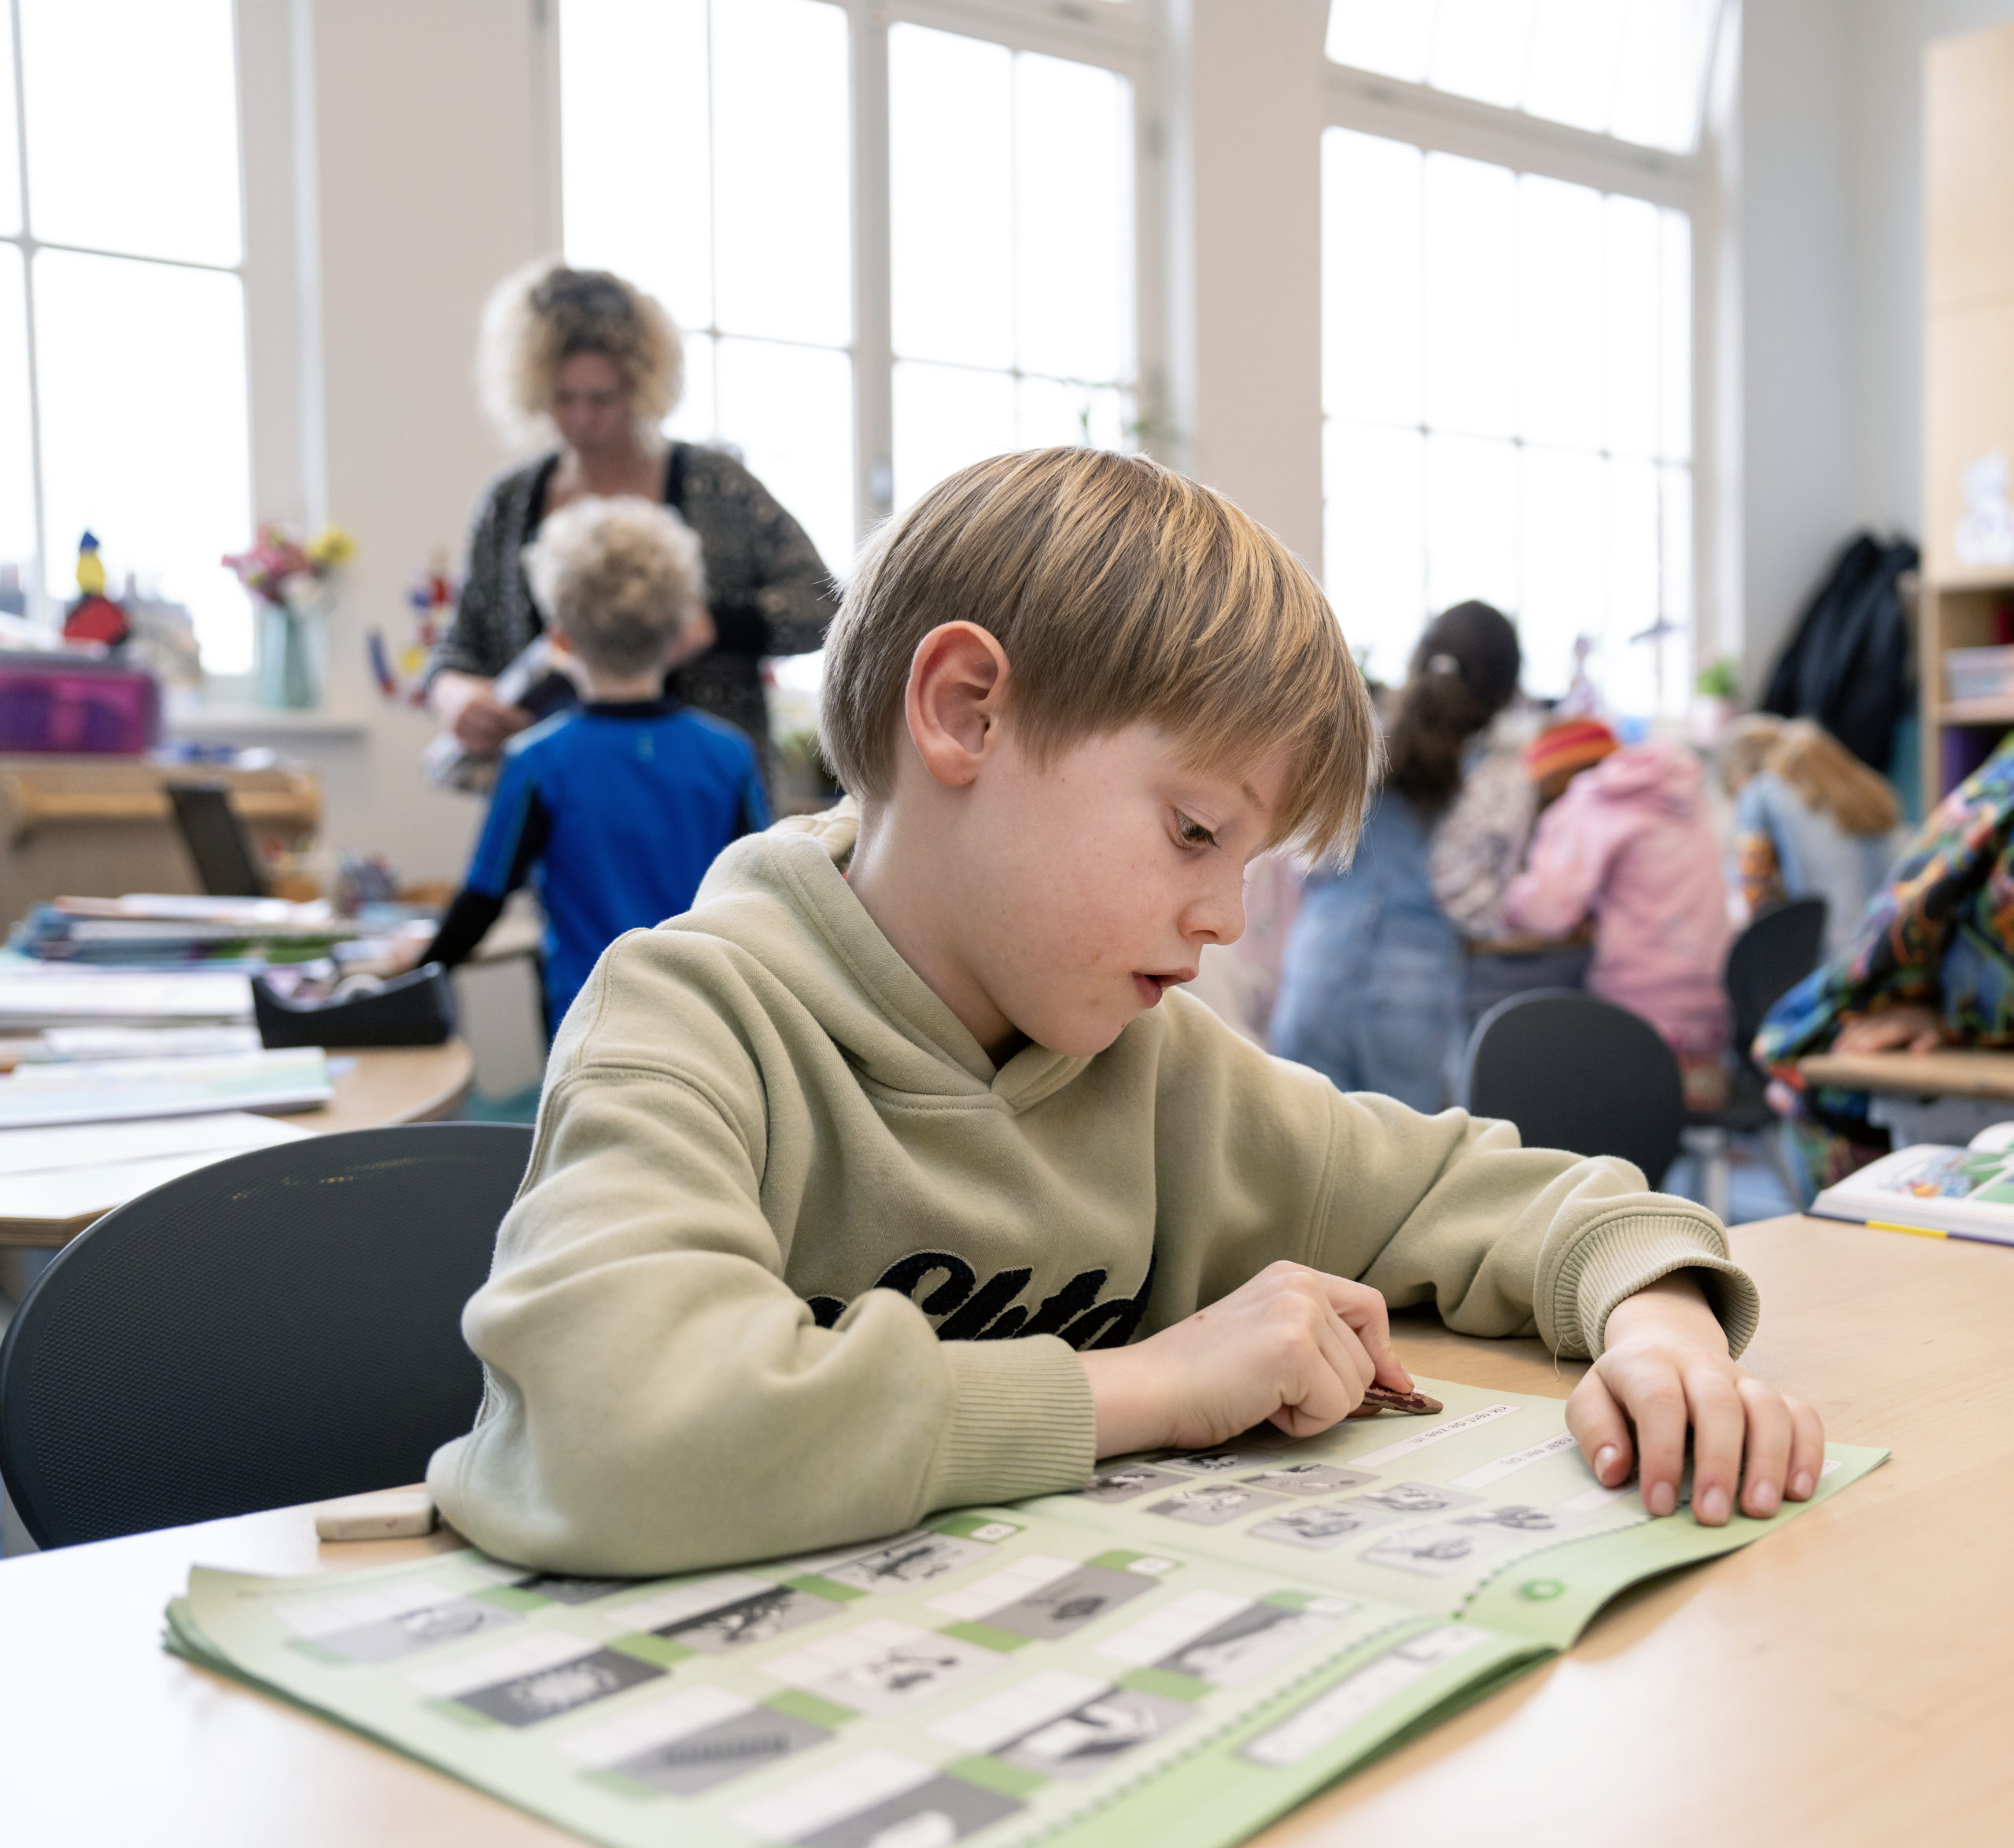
<point x="1665" y="1368"/>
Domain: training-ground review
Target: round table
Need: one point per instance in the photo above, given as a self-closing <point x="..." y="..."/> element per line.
<point x="388" y="1084"/>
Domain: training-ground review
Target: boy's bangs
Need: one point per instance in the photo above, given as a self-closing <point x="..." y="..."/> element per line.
<point x="1211" y="629"/>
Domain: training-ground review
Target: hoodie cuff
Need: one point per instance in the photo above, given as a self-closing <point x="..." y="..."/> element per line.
<point x="1022" y="1423"/>
<point x="1620" y="1256"/>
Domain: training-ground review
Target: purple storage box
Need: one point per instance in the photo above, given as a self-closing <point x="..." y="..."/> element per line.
<point x="71" y="704"/>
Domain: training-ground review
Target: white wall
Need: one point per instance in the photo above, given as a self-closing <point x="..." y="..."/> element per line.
<point x="1796" y="284"/>
<point x="1832" y="158"/>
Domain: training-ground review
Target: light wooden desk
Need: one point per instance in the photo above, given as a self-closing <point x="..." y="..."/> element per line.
<point x="1953" y="1072"/>
<point x="398" y="1084"/>
<point x="1849" y="1680"/>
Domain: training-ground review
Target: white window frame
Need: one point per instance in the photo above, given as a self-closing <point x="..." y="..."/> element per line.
<point x="1117" y="36"/>
<point x="1439" y="122"/>
<point x="261" y="40"/>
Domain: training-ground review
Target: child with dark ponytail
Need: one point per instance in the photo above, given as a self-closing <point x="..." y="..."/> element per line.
<point x="1371" y="989"/>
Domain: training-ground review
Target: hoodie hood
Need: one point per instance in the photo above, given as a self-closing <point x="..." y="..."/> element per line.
<point x="783" y="893"/>
<point x="1664" y="777"/>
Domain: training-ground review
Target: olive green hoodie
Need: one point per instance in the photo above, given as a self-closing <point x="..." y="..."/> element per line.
<point x="793" y="1264"/>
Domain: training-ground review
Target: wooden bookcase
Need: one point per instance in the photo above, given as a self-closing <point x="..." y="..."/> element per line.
<point x="1968" y="360"/>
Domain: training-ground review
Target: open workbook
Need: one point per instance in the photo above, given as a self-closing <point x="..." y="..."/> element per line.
<point x="1175" y="1655"/>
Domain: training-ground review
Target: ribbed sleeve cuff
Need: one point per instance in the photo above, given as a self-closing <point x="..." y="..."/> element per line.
<point x="1023" y="1423"/>
<point x="1620" y="1256"/>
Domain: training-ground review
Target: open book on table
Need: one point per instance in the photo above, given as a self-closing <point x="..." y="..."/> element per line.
<point x="1959" y="1192"/>
<point x="1177" y="1654"/>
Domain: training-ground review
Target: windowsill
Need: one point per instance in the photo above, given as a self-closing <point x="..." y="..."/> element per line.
<point x="260" y="721"/>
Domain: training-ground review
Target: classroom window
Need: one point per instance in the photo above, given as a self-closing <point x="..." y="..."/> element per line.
<point x="123" y="388"/>
<point x="705" y="153"/>
<point x="1634" y="69"/>
<point x="1508" y="413"/>
<point x="855" y="342"/>
<point x="1010" y="219"/>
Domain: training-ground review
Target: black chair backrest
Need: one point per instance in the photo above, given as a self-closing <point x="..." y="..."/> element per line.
<point x="1573" y="1071"/>
<point x="1769" y="959"/>
<point x="279" y="1327"/>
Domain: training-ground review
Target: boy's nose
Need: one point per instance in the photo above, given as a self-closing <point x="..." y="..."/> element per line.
<point x="1218" y="917"/>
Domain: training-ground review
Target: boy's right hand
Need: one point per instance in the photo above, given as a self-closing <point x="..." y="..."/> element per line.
<point x="1293" y="1346"/>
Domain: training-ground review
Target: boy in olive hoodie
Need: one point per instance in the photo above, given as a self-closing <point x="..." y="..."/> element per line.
<point x="893" y="1177"/>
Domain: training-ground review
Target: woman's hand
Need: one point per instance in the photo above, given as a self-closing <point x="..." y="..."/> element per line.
<point x="1665" y="1368"/>
<point x="465" y="705"/>
<point x="1913" y="1027"/>
<point x="1294" y="1346"/>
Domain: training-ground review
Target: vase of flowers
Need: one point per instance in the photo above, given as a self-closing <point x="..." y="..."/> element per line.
<point x="293" y="585"/>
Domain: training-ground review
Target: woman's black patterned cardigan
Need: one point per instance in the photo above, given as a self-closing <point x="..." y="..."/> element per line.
<point x="768" y="590"/>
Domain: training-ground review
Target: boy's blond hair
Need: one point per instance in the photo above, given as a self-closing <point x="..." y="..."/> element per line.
<point x="618" y="577"/>
<point x="1122" y="593"/>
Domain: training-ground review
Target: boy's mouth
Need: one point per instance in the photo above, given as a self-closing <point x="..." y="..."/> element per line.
<point x="1150" y="987"/>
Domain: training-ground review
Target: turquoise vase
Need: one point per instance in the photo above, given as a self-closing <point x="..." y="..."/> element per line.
<point x="286" y="663"/>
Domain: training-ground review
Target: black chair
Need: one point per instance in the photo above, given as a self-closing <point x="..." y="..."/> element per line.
<point x="1573" y="1071"/>
<point x="280" y="1327"/>
<point x="1765" y="962"/>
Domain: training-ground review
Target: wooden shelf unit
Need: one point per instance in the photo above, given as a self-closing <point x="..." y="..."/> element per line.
<point x="1968" y="359"/>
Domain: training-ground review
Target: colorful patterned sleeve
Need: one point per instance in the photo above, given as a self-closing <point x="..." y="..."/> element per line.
<point x="1940" y="932"/>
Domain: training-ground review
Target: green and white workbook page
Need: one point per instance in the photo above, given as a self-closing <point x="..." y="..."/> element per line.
<point x="1177" y="1654"/>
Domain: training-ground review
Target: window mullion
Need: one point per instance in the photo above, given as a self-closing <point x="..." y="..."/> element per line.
<point x="873" y="339"/>
<point x="36" y="581"/>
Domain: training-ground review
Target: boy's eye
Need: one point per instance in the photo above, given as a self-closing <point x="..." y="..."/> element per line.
<point x="1193" y="834"/>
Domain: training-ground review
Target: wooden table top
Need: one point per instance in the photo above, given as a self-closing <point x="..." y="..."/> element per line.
<point x="372" y="1087"/>
<point x="1951" y="1071"/>
<point x="1848" y="1680"/>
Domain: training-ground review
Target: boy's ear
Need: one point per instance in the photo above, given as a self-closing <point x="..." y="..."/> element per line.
<point x="956" y="690"/>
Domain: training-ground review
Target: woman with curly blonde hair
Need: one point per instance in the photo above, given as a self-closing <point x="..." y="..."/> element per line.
<point x="581" y="368"/>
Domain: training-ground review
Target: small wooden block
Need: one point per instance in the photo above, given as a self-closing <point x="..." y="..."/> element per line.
<point x="392" y="1513"/>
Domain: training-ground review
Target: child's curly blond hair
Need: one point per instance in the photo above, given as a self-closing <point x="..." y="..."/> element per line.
<point x="541" y="315"/>
<point x="619" y="578"/>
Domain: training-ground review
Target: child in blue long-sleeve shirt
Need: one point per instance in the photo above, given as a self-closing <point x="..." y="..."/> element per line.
<point x="613" y="810"/>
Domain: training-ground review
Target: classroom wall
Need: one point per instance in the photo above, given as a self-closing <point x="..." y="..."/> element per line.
<point x="1831" y="125"/>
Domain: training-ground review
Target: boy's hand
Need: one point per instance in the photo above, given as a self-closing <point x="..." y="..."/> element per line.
<point x="1294" y="1346"/>
<point x="1665" y="1368"/>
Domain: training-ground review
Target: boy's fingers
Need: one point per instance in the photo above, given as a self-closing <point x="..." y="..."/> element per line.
<point x="1328" y="1384"/>
<point x="1767" y="1457"/>
<point x="1807" y="1452"/>
<point x="1655" y="1400"/>
<point x="1719" y="1425"/>
<point x="1601" y="1430"/>
<point x="1345" y="1353"/>
<point x="1363" y="1309"/>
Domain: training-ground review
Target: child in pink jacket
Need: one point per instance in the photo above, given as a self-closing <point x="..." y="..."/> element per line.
<point x="1628" y="842"/>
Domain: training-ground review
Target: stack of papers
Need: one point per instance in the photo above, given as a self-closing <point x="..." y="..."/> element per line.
<point x="65" y="1043"/>
<point x="146" y="930"/>
<point x="77" y="1172"/>
<point x="36" y="995"/>
<point x="109" y="1090"/>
